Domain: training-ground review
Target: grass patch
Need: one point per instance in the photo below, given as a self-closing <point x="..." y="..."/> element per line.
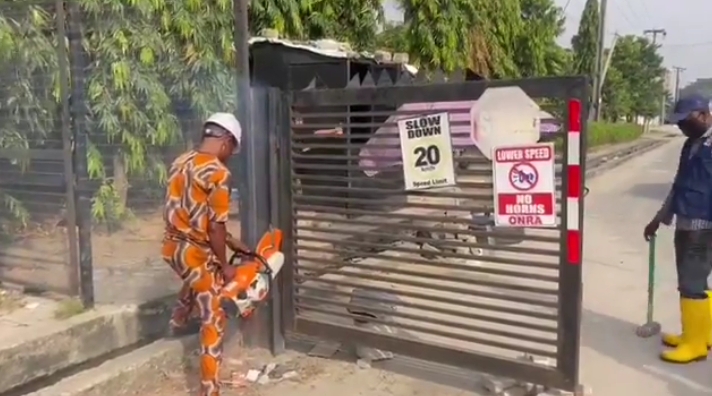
<point x="602" y="133"/>
<point x="68" y="308"/>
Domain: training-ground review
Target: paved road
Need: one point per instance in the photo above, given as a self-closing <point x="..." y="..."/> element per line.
<point x="614" y="361"/>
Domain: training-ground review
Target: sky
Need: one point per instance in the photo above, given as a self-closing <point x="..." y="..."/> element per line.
<point x="688" y="23"/>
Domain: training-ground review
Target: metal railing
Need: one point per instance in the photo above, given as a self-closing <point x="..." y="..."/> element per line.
<point x="94" y="106"/>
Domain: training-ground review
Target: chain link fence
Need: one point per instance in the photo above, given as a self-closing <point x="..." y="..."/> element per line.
<point x="36" y="219"/>
<point x="96" y="100"/>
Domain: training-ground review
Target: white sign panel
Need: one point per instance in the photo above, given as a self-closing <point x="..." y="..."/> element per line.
<point x="427" y="152"/>
<point x="524" y="189"/>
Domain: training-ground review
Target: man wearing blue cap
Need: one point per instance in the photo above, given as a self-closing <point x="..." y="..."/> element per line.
<point x="690" y="203"/>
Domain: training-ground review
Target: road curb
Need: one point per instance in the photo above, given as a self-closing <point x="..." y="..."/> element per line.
<point x="127" y="374"/>
<point x="617" y="158"/>
<point x="79" y="340"/>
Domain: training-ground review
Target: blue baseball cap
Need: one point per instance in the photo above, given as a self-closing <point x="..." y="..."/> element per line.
<point x="687" y="105"/>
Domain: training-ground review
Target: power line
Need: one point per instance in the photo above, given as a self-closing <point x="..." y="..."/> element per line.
<point x="647" y="15"/>
<point x="635" y="15"/>
<point x="644" y="12"/>
<point x="625" y="16"/>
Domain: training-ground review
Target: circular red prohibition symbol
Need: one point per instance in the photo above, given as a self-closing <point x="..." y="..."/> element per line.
<point x="523" y="176"/>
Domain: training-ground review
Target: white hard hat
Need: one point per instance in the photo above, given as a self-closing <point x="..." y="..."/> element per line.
<point x="229" y="122"/>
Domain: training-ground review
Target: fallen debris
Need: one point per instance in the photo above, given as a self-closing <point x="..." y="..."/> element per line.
<point x="363" y="363"/>
<point x="324" y="349"/>
<point x="269" y="373"/>
<point x="510" y="387"/>
<point x="290" y="374"/>
<point x="252" y="375"/>
<point x="280" y="371"/>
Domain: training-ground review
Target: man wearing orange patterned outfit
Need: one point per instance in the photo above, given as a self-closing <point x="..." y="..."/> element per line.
<point x="196" y="238"/>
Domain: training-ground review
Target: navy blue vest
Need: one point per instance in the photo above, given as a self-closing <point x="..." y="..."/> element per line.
<point x="693" y="183"/>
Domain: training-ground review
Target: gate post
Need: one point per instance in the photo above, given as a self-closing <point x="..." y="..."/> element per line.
<point x="81" y="140"/>
<point x="254" y="187"/>
<point x="275" y="124"/>
<point x="282" y="174"/>
<point x="70" y="199"/>
<point x="570" y="279"/>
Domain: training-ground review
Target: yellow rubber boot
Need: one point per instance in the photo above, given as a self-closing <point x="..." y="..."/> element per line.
<point x="673" y="340"/>
<point x="696" y="326"/>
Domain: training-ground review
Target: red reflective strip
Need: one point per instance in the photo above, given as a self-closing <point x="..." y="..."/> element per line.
<point x="574" y="171"/>
<point x="574" y="178"/>
<point x="574" y="190"/>
<point x="573" y="247"/>
<point x="574" y="116"/>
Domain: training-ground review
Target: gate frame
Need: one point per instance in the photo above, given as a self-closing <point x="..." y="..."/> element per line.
<point x="574" y="90"/>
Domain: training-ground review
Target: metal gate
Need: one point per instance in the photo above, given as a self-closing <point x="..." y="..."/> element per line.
<point x="426" y="274"/>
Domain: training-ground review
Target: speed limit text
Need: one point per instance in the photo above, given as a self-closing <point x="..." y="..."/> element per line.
<point x="536" y="153"/>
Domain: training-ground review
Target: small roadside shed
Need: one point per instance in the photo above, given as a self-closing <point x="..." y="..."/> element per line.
<point x="329" y="64"/>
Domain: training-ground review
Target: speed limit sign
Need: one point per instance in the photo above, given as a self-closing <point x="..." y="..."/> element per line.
<point x="426" y="147"/>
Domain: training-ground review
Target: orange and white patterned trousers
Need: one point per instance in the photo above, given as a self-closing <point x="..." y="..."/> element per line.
<point x="202" y="283"/>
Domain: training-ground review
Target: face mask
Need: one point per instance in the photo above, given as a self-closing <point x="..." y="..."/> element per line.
<point x="692" y="128"/>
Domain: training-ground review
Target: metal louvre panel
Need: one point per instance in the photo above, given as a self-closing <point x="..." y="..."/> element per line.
<point x="393" y="271"/>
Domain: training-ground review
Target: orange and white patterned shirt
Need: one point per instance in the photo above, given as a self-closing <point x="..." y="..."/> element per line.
<point x="197" y="194"/>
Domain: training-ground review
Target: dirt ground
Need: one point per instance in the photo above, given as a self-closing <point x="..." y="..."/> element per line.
<point x="10" y="301"/>
<point x="312" y="377"/>
<point x="39" y="260"/>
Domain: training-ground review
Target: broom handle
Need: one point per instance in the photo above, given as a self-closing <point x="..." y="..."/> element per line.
<point x="651" y="277"/>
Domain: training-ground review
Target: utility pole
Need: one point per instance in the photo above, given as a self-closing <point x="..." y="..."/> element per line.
<point x="242" y="53"/>
<point x="598" y="74"/>
<point x="678" y="71"/>
<point x="248" y="166"/>
<point x="602" y="78"/>
<point x="655" y="33"/>
<point x="607" y="62"/>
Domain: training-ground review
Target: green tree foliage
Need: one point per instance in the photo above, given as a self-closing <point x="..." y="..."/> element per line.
<point x="393" y="38"/>
<point x="28" y="93"/>
<point x="517" y="38"/>
<point x="634" y="84"/>
<point x="355" y="22"/>
<point x="438" y="33"/>
<point x="286" y="17"/>
<point x="537" y="52"/>
<point x="701" y="86"/>
<point x="494" y="38"/>
<point x="153" y="68"/>
<point x="585" y="42"/>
